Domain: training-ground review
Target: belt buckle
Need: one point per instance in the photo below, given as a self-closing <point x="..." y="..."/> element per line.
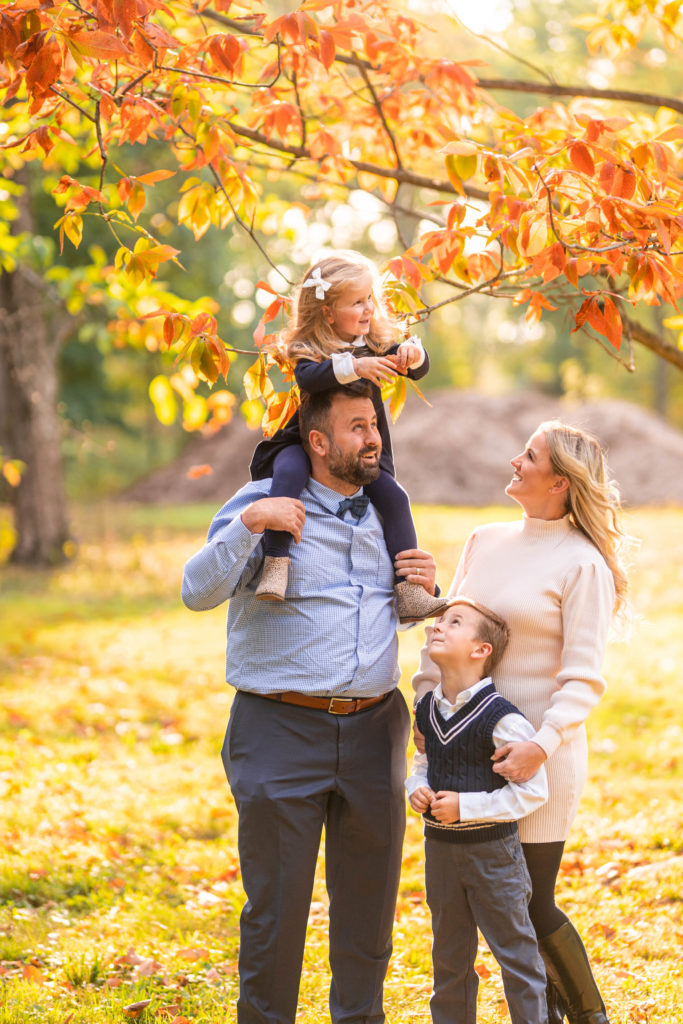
<point x="344" y="701"/>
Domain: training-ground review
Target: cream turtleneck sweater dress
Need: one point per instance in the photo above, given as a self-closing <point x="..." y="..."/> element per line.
<point x="555" y="591"/>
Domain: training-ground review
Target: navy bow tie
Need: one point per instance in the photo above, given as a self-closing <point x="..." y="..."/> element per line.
<point x="356" y="506"/>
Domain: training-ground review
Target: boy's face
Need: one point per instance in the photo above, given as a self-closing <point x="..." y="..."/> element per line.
<point x="454" y="637"/>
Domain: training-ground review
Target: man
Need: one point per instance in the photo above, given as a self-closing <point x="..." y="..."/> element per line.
<point x="318" y="731"/>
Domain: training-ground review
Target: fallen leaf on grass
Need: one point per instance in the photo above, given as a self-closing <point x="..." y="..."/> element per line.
<point x="146" y="969"/>
<point x="33" y="974"/>
<point x="604" y="929"/>
<point x="135" y="1009"/>
<point x="482" y="970"/>
<point x="193" y="953"/>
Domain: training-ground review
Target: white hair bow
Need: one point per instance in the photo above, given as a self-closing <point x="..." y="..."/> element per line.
<point x="317" y="281"/>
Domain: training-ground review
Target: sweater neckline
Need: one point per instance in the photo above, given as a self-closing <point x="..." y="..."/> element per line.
<point x="546" y="528"/>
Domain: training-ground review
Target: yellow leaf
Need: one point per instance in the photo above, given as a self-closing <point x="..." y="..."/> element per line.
<point x="163" y="400"/>
<point x="73" y="229"/>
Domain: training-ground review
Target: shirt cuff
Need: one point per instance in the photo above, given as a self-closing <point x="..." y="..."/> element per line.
<point x="342" y="364"/>
<point x="414" y="340"/>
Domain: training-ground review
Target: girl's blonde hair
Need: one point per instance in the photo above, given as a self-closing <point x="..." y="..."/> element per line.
<point x="308" y="334"/>
<point x="593" y="501"/>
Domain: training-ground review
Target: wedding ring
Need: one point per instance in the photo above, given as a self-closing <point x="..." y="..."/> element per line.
<point x="417" y="571"/>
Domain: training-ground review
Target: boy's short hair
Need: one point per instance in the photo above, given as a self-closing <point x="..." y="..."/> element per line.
<point x="491" y="629"/>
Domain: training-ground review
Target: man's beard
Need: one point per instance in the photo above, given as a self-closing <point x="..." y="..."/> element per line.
<point x="350" y="468"/>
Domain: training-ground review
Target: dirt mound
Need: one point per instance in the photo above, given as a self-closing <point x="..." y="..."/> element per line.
<point x="457" y="451"/>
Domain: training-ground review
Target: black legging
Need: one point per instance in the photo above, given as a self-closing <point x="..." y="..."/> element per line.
<point x="543" y="862"/>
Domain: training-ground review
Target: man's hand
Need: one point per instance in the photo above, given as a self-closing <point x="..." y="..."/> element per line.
<point x="275" y="514"/>
<point x="518" y="761"/>
<point x="446" y="807"/>
<point x="421" y="799"/>
<point x="418" y="567"/>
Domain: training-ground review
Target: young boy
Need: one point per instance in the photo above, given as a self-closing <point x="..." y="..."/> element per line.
<point x="474" y="865"/>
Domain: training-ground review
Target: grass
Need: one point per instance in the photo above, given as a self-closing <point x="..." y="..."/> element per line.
<point x="119" y="880"/>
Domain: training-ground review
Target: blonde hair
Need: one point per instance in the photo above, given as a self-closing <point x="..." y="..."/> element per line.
<point x="308" y="334"/>
<point x="491" y="629"/>
<point x="593" y="501"/>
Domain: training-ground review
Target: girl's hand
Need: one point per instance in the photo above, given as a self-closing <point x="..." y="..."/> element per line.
<point x="375" y="368"/>
<point x="518" y="761"/>
<point x="446" y="807"/>
<point x="407" y="355"/>
<point x="421" y="799"/>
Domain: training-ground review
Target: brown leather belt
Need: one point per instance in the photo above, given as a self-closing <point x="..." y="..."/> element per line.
<point x="333" y="705"/>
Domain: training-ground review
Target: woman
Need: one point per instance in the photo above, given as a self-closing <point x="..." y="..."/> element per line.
<point x="556" y="578"/>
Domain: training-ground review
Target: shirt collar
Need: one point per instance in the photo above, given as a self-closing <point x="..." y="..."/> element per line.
<point x="328" y="498"/>
<point x="462" y="698"/>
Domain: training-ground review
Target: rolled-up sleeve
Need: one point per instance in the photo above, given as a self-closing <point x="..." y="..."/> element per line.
<point x="213" y="574"/>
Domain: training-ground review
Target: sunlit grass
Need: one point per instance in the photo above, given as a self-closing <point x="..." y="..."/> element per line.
<point x="119" y="879"/>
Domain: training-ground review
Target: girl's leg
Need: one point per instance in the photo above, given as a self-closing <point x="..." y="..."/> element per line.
<point x="393" y="504"/>
<point x="291" y="470"/>
<point x="566" y="962"/>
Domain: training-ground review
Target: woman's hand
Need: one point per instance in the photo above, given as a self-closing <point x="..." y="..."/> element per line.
<point x="446" y="807"/>
<point x="375" y="368"/>
<point x="518" y="761"/>
<point x="417" y="566"/>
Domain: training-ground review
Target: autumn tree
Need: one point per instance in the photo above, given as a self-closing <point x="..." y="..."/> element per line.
<point x="572" y="205"/>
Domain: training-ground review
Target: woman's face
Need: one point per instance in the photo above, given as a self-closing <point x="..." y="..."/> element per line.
<point x="535" y="484"/>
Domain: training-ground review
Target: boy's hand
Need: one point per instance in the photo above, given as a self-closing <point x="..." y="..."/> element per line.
<point x="375" y="368"/>
<point x="446" y="807"/>
<point x="421" y="799"/>
<point x="407" y="355"/>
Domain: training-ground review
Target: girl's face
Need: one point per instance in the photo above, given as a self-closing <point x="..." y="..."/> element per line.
<point x="351" y="314"/>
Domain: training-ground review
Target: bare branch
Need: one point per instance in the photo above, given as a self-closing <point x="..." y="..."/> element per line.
<point x="671" y="353"/>
<point x="378" y="107"/>
<point x="551" y="89"/>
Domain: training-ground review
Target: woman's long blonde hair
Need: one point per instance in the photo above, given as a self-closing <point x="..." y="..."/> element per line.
<point x="308" y="334"/>
<point x="593" y="501"/>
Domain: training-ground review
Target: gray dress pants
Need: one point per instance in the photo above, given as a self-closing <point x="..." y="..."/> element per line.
<point x="292" y="772"/>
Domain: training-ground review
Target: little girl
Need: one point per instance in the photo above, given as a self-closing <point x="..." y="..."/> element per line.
<point x="340" y="332"/>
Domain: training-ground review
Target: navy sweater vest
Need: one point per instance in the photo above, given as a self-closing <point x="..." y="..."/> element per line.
<point x="459" y="760"/>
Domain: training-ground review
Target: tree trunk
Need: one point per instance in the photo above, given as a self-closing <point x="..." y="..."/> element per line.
<point x="30" y="425"/>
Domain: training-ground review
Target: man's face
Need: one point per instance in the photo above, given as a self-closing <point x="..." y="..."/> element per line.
<point x="353" y="441"/>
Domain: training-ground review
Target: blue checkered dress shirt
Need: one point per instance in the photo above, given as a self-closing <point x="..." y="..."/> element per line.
<point x="336" y="632"/>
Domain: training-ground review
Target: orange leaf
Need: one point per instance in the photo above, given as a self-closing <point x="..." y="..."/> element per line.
<point x="580" y="156"/>
<point x="102" y="45"/>
<point x="193" y="473"/>
<point x="327" y="48"/>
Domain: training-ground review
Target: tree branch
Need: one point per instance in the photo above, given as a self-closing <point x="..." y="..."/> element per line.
<point x="551" y="89"/>
<point x="397" y="174"/>
<point x="670" y="353"/>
